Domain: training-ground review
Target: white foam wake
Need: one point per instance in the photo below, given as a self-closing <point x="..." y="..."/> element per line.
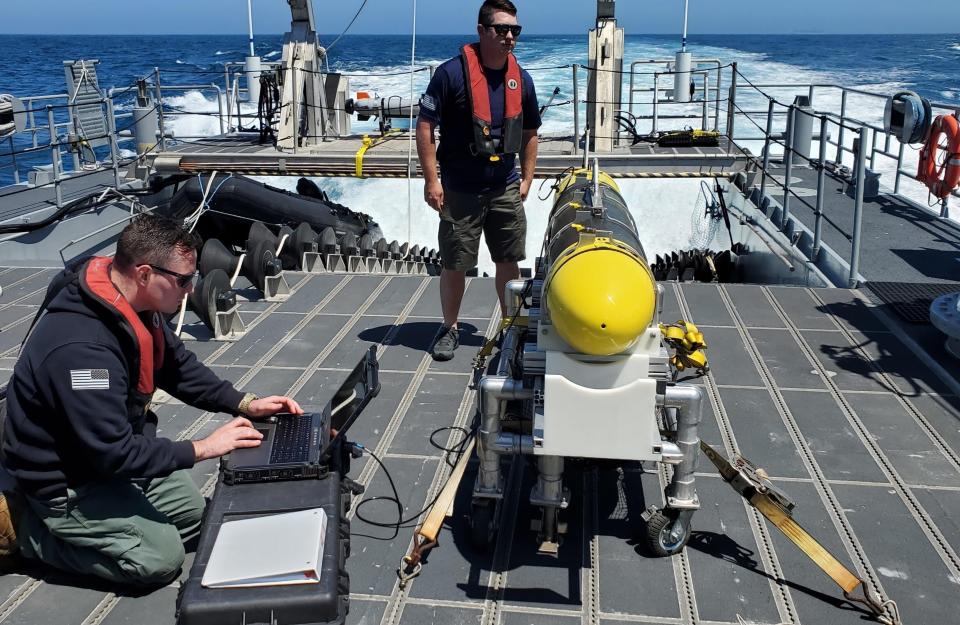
<point x="661" y="208"/>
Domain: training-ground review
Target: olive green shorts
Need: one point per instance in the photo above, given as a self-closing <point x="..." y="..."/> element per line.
<point x="498" y="214"/>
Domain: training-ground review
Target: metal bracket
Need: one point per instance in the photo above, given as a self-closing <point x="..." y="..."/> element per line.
<point x="683" y="504"/>
<point x="390" y="266"/>
<point x="372" y="265"/>
<point x="275" y="288"/>
<point x="356" y="264"/>
<point x="479" y="493"/>
<point x="537" y="500"/>
<point x="312" y="262"/>
<point x="334" y="263"/>
<point x="228" y="326"/>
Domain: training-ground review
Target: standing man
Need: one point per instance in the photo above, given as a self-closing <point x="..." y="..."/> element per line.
<point x="102" y="495"/>
<point x="487" y="110"/>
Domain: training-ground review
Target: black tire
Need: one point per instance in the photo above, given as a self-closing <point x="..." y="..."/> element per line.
<point x="661" y="534"/>
<point x="481" y="525"/>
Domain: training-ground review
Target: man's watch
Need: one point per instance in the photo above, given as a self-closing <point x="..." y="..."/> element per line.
<point x="245" y="403"/>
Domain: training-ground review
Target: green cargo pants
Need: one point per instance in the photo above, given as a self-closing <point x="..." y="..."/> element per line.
<point x="128" y="532"/>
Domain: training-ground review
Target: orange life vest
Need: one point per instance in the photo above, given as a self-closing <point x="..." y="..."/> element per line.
<point x="479" y="95"/>
<point x="149" y="342"/>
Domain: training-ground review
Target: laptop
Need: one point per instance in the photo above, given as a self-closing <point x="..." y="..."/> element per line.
<point x="296" y="447"/>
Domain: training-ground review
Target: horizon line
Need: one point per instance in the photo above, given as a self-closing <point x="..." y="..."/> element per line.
<point x="430" y="34"/>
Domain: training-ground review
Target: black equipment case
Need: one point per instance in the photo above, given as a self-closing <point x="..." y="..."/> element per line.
<point x="326" y="602"/>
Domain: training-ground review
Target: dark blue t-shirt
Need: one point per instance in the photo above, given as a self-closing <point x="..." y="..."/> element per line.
<point x="446" y="103"/>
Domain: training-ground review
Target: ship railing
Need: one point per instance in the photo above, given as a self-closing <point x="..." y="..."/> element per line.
<point x="863" y="151"/>
<point x="49" y="131"/>
<point x="844" y="121"/>
<point x="658" y="70"/>
<point x="233" y="73"/>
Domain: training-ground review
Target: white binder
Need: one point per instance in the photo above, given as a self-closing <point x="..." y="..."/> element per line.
<point x="271" y="550"/>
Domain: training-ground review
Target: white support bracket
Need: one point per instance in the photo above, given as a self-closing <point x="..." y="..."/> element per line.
<point x="228" y="326"/>
<point x="357" y="264"/>
<point x="334" y="263"/>
<point x="275" y="288"/>
<point x="313" y="262"/>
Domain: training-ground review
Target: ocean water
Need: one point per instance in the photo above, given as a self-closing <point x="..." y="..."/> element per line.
<point x="883" y="64"/>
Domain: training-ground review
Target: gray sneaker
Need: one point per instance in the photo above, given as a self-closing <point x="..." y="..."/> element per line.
<point x="444" y="344"/>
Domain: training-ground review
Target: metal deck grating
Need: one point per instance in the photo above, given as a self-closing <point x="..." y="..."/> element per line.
<point x="911" y="301"/>
<point x="807" y="383"/>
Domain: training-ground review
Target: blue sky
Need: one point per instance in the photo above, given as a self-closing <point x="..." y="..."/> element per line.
<point x="458" y="16"/>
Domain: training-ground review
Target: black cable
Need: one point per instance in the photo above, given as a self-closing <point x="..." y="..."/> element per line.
<point x="340" y="36"/>
<point x="410" y="521"/>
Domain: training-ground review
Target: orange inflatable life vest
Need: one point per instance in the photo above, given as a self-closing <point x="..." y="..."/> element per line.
<point x="479" y="96"/>
<point x="942" y="179"/>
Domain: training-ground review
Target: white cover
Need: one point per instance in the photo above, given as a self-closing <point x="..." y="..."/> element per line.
<point x="268" y="551"/>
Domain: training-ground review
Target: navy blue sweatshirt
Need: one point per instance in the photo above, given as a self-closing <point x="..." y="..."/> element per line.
<point x="69" y="416"/>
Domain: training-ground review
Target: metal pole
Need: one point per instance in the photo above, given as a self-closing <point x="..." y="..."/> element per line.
<point x="818" y="220"/>
<point x="945" y="207"/>
<point x="220" y="98"/>
<point x="858" y="210"/>
<point x="112" y="126"/>
<point x="706" y="96"/>
<point x="731" y="107"/>
<point x="55" y="156"/>
<point x="250" y="24"/>
<point x="576" y="111"/>
<point x="656" y="98"/>
<point x="630" y="99"/>
<point x="873" y="150"/>
<point x="163" y="132"/>
<point x="75" y="154"/>
<point x="13" y="157"/>
<point x="716" y="103"/>
<point x="33" y="126"/>
<point x="896" y="177"/>
<point x="788" y="165"/>
<point x="766" y="149"/>
<point x="296" y="111"/>
<point x="810" y="95"/>
<point x="843" y="121"/>
<point x="683" y="42"/>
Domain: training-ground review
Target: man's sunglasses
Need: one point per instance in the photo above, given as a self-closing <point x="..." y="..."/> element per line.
<point x="183" y="279"/>
<point x="503" y="29"/>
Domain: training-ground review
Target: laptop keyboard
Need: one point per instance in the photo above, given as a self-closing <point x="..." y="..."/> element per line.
<point x="292" y="442"/>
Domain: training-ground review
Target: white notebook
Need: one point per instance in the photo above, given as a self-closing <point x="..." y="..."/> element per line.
<point x="268" y="551"/>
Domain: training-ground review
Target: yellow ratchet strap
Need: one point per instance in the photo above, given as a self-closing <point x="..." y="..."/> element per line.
<point x="425" y="536"/>
<point x="368" y="143"/>
<point x="480" y="360"/>
<point x="688" y="343"/>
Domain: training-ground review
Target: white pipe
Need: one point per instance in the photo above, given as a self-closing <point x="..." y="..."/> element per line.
<point x="683" y="42"/>
<point x="250" y="24"/>
<point x="412" y="129"/>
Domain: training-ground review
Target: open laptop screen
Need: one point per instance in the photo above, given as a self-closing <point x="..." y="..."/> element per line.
<point x="362" y="385"/>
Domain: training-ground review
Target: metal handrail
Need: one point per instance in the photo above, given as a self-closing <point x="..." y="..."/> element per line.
<point x="868" y="147"/>
<point x="667" y="62"/>
<point x="201" y="89"/>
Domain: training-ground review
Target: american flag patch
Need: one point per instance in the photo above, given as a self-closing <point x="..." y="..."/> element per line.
<point x="89" y="379"/>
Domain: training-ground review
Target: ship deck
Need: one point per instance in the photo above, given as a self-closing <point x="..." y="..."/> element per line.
<point x="811" y="384"/>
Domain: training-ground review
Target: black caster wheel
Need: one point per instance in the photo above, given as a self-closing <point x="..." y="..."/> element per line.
<point x="482" y="528"/>
<point x="667" y="533"/>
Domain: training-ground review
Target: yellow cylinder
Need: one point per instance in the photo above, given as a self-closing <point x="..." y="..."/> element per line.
<point x="601" y="296"/>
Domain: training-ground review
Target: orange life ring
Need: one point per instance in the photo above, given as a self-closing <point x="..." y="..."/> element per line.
<point x="942" y="179"/>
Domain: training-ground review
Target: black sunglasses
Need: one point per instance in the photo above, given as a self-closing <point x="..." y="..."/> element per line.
<point x="183" y="279"/>
<point x="503" y="29"/>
